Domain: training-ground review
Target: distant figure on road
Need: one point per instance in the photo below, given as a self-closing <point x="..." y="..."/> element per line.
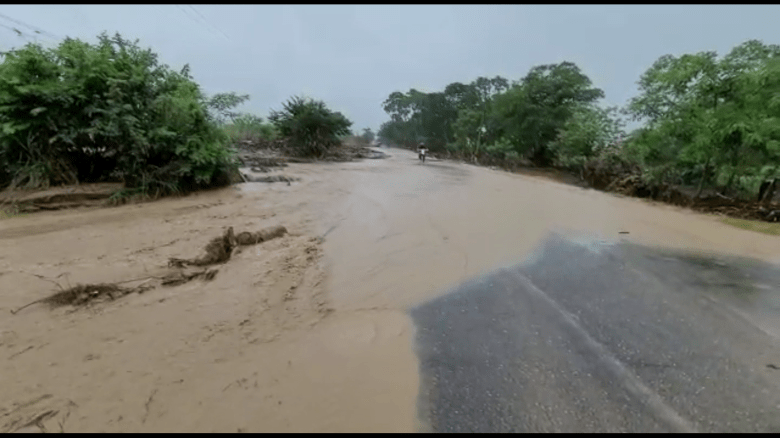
<point x="421" y="150"/>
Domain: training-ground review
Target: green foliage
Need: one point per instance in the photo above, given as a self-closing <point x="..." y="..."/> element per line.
<point x="708" y="113"/>
<point x="503" y="150"/>
<point x="310" y="126"/>
<point x="488" y="113"/>
<point x="249" y="127"/>
<point x="707" y="120"/>
<point x="538" y="107"/>
<point x="221" y="104"/>
<point x="367" y="136"/>
<point x="432" y="117"/>
<point x="83" y="112"/>
<point x="470" y="132"/>
<point x="589" y="131"/>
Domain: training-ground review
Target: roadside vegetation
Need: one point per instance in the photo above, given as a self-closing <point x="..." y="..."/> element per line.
<point x="710" y="126"/>
<point x="709" y="134"/>
<point x="772" y="229"/>
<point x="112" y="112"/>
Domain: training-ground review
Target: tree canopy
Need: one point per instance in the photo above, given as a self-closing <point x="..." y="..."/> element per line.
<point x="706" y="121"/>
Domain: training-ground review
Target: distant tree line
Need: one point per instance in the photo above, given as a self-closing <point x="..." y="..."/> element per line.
<point x="707" y="121"/>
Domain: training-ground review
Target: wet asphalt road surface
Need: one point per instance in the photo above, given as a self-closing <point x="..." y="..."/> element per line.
<point x="595" y="337"/>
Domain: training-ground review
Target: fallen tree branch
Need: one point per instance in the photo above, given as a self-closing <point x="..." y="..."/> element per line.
<point x="723" y="196"/>
<point x="45" y="278"/>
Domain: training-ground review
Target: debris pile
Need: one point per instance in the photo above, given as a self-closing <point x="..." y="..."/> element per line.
<point x="218" y="250"/>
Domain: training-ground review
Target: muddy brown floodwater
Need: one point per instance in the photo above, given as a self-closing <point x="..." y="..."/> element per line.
<point x="307" y="332"/>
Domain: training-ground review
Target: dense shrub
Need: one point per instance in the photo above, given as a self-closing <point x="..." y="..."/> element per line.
<point x="109" y="111"/>
<point x="248" y="127"/>
<point x="311" y="128"/>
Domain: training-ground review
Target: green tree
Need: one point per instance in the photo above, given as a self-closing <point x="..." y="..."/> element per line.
<point x="310" y="126"/>
<point x="534" y="110"/>
<point x="476" y="126"/>
<point x="710" y="116"/>
<point x="590" y="131"/>
<point x="220" y="106"/>
<point x="469" y="132"/>
<point x="83" y="112"/>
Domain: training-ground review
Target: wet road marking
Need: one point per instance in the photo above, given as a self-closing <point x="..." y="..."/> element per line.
<point x="634" y="386"/>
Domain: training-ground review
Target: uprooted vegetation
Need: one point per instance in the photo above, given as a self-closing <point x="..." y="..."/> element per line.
<point x="619" y="176"/>
<point x="263" y="155"/>
<point x="218" y="251"/>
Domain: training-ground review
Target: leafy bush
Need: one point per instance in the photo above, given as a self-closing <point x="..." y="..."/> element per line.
<point x="110" y="111"/>
<point x="310" y="126"/>
<point x="589" y="131"/>
<point x="503" y="150"/>
<point x="248" y="127"/>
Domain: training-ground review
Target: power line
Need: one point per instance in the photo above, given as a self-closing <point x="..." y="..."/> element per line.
<point x="34" y="29"/>
<point x="212" y="25"/>
<point x="205" y="20"/>
<point x="19" y="33"/>
<point x="189" y="15"/>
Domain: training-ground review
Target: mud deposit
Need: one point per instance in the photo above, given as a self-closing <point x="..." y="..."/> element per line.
<point x="306" y="331"/>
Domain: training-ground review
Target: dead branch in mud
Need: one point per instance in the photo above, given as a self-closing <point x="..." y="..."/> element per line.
<point x="723" y="196"/>
<point x="46" y="278"/>
<point x="220" y="249"/>
<point x="181" y="278"/>
<point x="83" y="294"/>
<point x="146" y="405"/>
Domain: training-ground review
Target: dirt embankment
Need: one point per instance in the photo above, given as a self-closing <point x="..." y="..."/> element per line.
<point x="261" y="161"/>
<point x="264" y="155"/>
<point x="625" y="180"/>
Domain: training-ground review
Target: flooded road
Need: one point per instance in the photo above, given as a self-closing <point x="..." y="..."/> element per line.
<point x="406" y="235"/>
<point x="406" y="297"/>
<point x="646" y="344"/>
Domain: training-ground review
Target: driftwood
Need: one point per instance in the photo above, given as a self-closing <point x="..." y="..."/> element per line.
<point x="220" y="249"/>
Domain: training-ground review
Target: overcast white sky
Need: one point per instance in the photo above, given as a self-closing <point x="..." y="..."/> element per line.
<point x="353" y="56"/>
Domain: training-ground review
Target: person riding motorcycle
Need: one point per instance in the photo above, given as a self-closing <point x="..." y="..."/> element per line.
<point x="421" y="150"/>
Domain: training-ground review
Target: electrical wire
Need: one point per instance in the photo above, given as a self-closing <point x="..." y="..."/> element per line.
<point x="202" y="21"/>
<point x="15" y="30"/>
<point x="33" y="28"/>
<point x="208" y="22"/>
